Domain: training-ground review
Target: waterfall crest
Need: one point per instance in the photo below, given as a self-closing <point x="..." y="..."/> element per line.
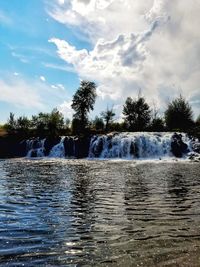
<point x="126" y="145"/>
<point x="139" y="145"/>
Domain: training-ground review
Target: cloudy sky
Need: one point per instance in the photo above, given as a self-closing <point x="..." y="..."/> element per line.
<point x="125" y="46"/>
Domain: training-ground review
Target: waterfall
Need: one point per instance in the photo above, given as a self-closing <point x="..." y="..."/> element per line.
<point x="58" y="151"/>
<point x="135" y="145"/>
<point x="35" y="148"/>
<point x="64" y="147"/>
<point x="139" y="145"/>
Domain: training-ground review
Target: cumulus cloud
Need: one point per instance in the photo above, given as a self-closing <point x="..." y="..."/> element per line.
<point x="65" y="109"/>
<point x="152" y="45"/>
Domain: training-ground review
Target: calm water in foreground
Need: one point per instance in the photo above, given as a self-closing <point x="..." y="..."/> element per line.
<point x="99" y="213"/>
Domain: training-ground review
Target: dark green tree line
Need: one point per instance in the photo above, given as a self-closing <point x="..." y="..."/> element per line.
<point x="138" y="116"/>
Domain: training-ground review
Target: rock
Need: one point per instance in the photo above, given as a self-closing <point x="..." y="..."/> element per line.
<point x="194" y="156"/>
<point x="49" y="143"/>
<point x="36" y="143"/>
<point x="81" y="147"/>
<point x="178" y="147"/>
<point x="22" y="150"/>
<point x="33" y="153"/>
<point x="196" y="147"/>
<point x="69" y="147"/>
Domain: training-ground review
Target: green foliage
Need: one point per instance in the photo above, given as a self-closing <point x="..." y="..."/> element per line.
<point x="11" y="125"/>
<point x="108" y="116"/>
<point x="118" y="127"/>
<point x="23" y="125"/>
<point x="40" y="123"/>
<point x="98" y="124"/>
<point x="83" y="102"/>
<point x="157" y="125"/>
<point x="137" y="117"/>
<point x="20" y="125"/>
<point x="55" y="123"/>
<point x="179" y="115"/>
<point x="48" y="123"/>
<point x="137" y="114"/>
<point x="77" y="128"/>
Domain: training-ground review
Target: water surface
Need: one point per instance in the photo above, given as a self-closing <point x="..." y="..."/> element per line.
<point x="99" y="213"/>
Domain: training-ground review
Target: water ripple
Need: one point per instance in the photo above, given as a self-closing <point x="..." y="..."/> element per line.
<point x="92" y="213"/>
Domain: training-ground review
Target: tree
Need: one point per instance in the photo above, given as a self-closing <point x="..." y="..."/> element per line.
<point x="11" y="125"/>
<point x="98" y="123"/>
<point x="198" y="121"/>
<point x="55" y="123"/>
<point x="48" y="123"/>
<point x="23" y="125"/>
<point x="40" y="123"/>
<point x="76" y="126"/>
<point x="157" y="125"/>
<point x="83" y="102"/>
<point x="137" y="114"/>
<point x="108" y="116"/>
<point x="179" y="115"/>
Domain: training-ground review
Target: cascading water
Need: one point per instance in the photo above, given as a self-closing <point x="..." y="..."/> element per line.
<point x="58" y="151"/>
<point x="35" y="147"/>
<point x="138" y="145"/>
<point x="133" y="145"/>
<point x="65" y="147"/>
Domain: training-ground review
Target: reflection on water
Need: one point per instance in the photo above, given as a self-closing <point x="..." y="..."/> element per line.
<point x="99" y="213"/>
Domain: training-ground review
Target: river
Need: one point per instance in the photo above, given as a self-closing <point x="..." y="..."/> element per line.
<point x="59" y="212"/>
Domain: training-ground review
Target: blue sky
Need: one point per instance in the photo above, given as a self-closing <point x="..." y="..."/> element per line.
<point x="26" y="55"/>
<point x="47" y="47"/>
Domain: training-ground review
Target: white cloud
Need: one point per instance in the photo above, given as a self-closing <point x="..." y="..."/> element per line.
<point x="16" y="73"/>
<point x="17" y="92"/>
<point x="22" y="58"/>
<point x="32" y="95"/>
<point x="100" y="18"/>
<point x="66" y="68"/>
<point x="66" y="110"/>
<point x="42" y="78"/>
<point x="58" y="86"/>
<point x="61" y="2"/>
<point x="152" y="45"/>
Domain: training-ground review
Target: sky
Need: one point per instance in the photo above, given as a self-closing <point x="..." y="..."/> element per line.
<point x="48" y="46"/>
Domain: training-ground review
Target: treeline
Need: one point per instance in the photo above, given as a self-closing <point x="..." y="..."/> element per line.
<point x="137" y="116"/>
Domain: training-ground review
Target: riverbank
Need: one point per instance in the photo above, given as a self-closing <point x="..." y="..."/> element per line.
<point x="10" y="146"/>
